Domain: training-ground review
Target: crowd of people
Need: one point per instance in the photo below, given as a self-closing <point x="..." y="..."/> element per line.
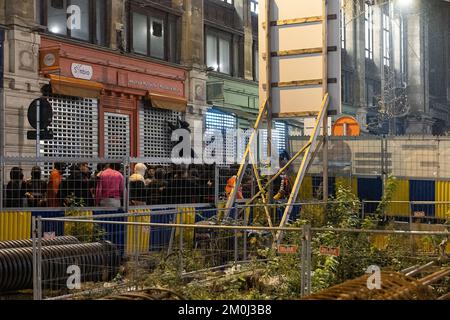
<point x="79" y="186"/>
<point x="106" y="186"/>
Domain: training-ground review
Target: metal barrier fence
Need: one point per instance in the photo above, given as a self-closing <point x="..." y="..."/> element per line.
<point x="123" y="252"/>
<point x="134" y="248"/>
<point x="399" y="211"/>
<point x="97" y="184"/>
<point x="410" y="157"/>
<point x="151" y="183"/>
<point x="340" y="255"/>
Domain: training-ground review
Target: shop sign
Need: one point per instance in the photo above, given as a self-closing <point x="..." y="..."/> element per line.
<point x="82" y="71"/>
<point x="147" y="85"/>
<point x="287" y="249"/>
<point x="327" y="251"/>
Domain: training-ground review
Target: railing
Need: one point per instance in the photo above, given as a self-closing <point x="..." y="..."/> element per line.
<point x="195" y="248"/>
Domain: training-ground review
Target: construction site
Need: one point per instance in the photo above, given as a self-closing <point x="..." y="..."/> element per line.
<point x="123" y="193"/>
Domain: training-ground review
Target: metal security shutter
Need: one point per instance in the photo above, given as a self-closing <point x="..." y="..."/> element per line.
<point x="155" y="132"/>
<point x="75" y="123"/>
<point x="243" y="145"/>
<point x="279" y="135"/>
<point x="117" y="136"/>
<point x="217" y="120"/>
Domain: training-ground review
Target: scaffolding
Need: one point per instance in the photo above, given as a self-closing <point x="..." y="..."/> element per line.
<point x="273" y="47"/>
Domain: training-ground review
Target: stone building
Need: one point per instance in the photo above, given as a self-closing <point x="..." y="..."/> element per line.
<point x="395" y="75"/>
<point x="119" y="71"/>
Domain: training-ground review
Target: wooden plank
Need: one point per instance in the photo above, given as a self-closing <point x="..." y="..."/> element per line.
<point x="301" y="83"/>
<point x="296" y="21"/>
<point x="298" y="83"/>
<point x="307" y="157"/>
<point x="288" y="22"/>
<point x="295" y="114"/>
<point x="296" y="52"/>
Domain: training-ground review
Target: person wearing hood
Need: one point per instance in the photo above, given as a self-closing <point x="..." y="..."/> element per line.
<point x="36" y="189"/>
<point x="138" y="188"/>
<point x="157" y="189"/>
<point x="15" y="190"/>
<point x="76" y="189"/>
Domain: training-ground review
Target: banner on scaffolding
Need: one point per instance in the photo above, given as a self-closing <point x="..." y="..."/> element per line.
<point x="304" y="66"/>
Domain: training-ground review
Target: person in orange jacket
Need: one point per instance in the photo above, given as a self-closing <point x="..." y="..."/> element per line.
<point x="54" y="182"/>
<point x="230" y="186"/>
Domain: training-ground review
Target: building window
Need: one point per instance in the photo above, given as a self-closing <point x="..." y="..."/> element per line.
<point x="154" y="34"/>
<point x="38" y="12"/>
<point x="254" y="6"/>
<point x="79" y="19"/>
<point x="373" y="90"/>
<point x="386" y="39"/>
<point x="218" y="51"/>
<point x="368" y="24"/>
<point x="403" y="47"/>
<point x="255" y="62"/>
<point x="343" y="31"/>
<point x="347" y="87"/>
<point x="220" y="121"/>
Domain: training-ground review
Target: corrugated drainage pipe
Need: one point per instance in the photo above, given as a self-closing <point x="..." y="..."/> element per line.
<point x="98" y="262"/>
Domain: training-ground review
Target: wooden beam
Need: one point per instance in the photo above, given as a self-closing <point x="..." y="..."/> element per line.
<point x="296" y="21"/>
<point x="296" y="52"/>
<point x="313" y="141"/>
<point x="287" y="22"/>
<point x="297" y="83"/>
<point x="300" y="83"/>
<point x="296" y="114"/>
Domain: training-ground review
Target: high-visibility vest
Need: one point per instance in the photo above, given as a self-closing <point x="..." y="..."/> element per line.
<point x="230" y="186"/>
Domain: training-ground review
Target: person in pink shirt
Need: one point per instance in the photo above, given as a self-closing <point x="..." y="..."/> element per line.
<point x="110" y="187"/>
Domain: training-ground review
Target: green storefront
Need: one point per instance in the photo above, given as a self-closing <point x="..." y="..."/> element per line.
<point x="235" y="104"/>
<point x="234" y="96"/>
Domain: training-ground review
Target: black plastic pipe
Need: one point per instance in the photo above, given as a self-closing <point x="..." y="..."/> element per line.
<point x="98" y="262"/>
<point x="45" y="242"/>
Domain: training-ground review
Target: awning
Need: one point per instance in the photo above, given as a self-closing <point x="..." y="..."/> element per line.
<point x="159" y="101"/>
<point x="75" y="87"/>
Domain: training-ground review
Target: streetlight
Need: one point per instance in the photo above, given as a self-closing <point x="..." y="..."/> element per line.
<point x="404" y="3"/>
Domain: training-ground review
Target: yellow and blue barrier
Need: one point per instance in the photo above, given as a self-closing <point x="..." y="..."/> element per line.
<point x="15" y="226"/>
<point x="138" y="237"/>
<point x="443" y="195"/>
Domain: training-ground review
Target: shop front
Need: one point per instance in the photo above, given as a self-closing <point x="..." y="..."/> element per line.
<point x="236" y="105"/>
<point x="109" y="105"/>
<point x="234" y="96"/>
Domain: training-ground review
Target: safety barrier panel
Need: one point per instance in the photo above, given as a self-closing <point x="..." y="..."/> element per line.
<point x="15" y="226"/>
